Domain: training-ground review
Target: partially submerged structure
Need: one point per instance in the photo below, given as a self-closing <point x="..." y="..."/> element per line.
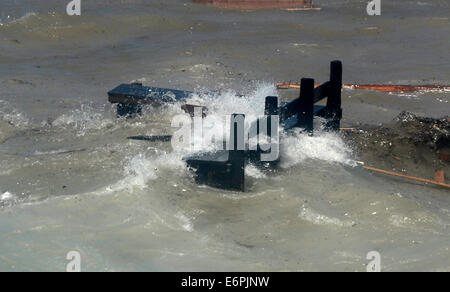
<point x="226" y="168"/>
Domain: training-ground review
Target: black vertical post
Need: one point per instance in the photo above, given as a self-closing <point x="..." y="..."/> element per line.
<point x="237" y="154"/>
<point x="334" y="110"/>
<point x="306" y="110"/>
<point x="271" y="109"/>
<point x="237" y="132"/>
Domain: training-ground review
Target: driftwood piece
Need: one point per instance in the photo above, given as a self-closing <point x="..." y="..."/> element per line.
<point x="155" y="138"/>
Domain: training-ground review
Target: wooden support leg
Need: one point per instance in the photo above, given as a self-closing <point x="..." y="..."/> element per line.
<point x="271" y="109"/>
<point x="225" y="168"/>
<point x="237" y="132"/>
<point x="271" y="106"/>
<point x="237" y="153"/>
<point x="306" y="109"/>
<point x="333" y="108"/>
<point x="237" y="167"/>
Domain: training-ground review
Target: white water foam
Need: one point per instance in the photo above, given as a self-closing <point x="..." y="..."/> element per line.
<point x="325" y="146"/>
<point x="310" y="215"/>
<point x="9" y="19"/>
<point x="400" y="221"/>
<point x="8" y="199"/>
<point x="87" y="118"/>
<point x="141" y="169"/>
<point x="12" y="116"/>
<point x="7" y="196"/>
<point x="24" y="17"/>
<point x="253" y="171"/>
<point x="228" y="102"/>
<point x="185" y="222"/>
<point x="295" y="148"/>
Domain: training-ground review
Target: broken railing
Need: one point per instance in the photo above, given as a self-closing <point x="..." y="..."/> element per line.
<point x="226" y="168"/>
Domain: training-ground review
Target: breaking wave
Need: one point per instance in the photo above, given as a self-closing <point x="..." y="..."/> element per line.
<point x="296" y="147"/>
<point x="11" y="20"/>
<point x="310" y="215"/>
<point x="12" y="116"/>
<point x="86" y="118"/>
<point x="140" y="169"/>
<point x="8" y="199"/>
<point x="325" y="146"/>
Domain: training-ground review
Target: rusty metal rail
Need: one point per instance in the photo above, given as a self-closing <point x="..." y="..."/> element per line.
<point x="379" y="87"/>
<point x="439" y="176"/>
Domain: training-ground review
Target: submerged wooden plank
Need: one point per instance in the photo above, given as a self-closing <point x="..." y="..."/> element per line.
<point x="154" y="138"/>
<point x="137" y="94"/>
<point x="130" y="97"/>
<point x="223" y="169"/>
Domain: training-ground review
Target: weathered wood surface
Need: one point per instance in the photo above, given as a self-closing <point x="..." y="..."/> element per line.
<point x="135" y="93"/>
<point x="226" y="168"/>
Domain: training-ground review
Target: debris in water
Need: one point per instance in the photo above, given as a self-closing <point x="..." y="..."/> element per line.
<point x="409" y="143"/>
<point x="439" y="176"/>
<point x="226" y="168"/>
<point x="155" y="138"/>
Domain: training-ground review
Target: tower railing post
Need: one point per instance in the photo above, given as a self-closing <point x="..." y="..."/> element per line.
<point x="237" y="152"/>
<point x="270" y="109"/>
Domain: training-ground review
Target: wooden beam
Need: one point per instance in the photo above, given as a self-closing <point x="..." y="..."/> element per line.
<point x="305" y="115"/>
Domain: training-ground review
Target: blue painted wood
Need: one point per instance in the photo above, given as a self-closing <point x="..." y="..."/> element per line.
<point x="136" y="93"/>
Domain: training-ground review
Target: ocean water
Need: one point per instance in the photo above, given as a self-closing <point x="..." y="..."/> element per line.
<point x="71" y="181"/>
